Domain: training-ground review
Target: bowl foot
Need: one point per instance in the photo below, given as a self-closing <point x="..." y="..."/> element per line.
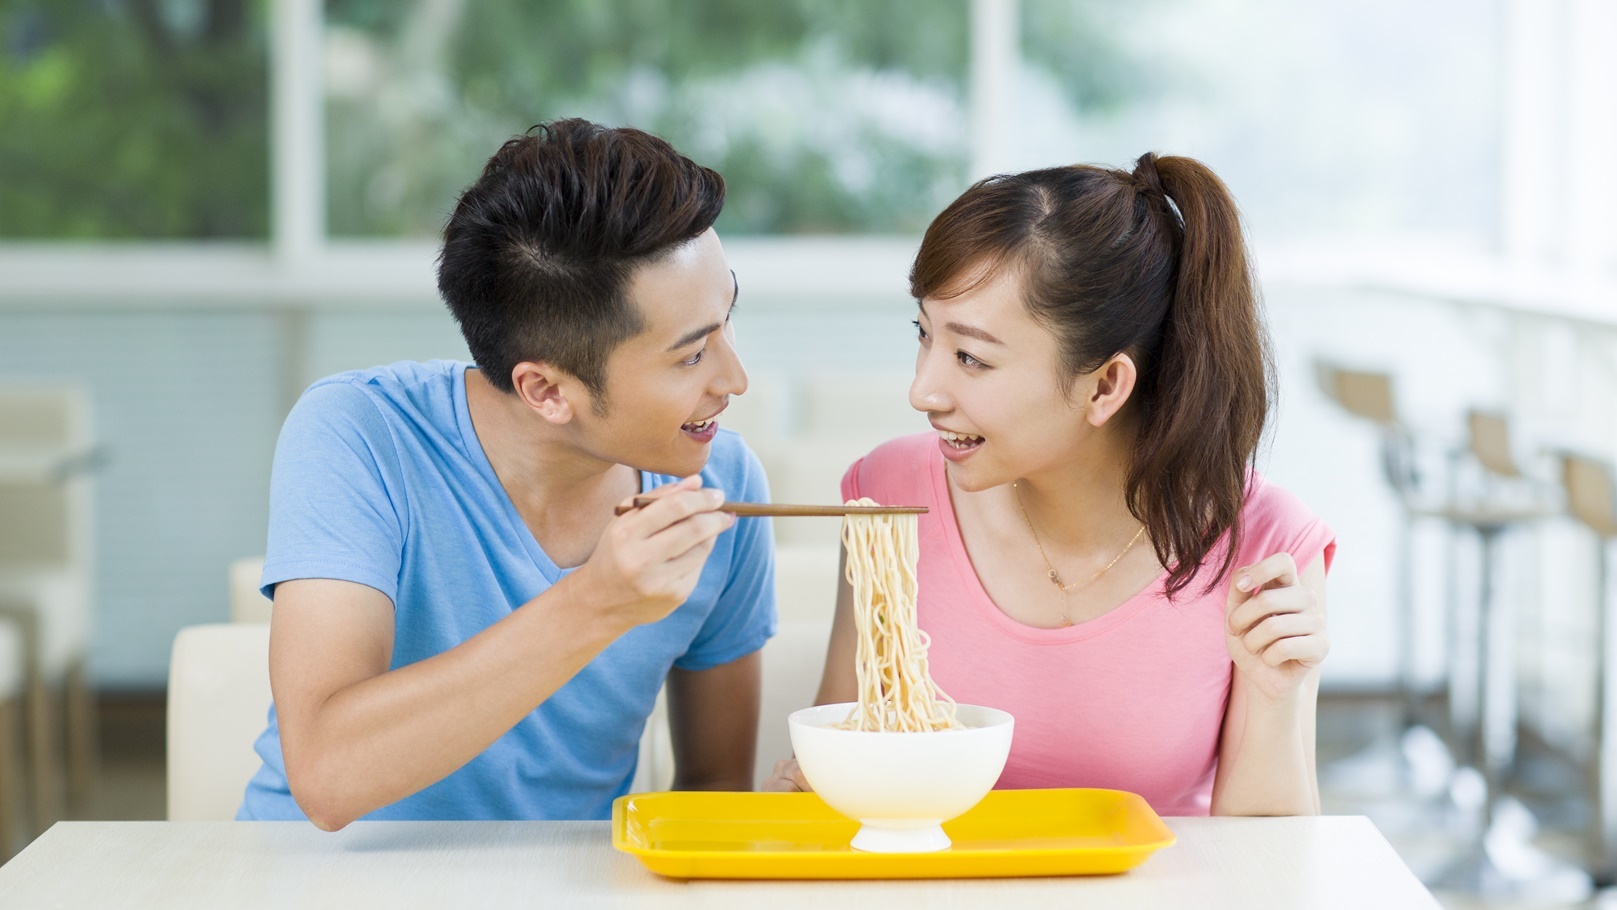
<point x="900" y="840"/>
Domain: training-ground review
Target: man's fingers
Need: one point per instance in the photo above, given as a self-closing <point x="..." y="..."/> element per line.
<point x="676" y="507"/>
<point x="680" y="538"/>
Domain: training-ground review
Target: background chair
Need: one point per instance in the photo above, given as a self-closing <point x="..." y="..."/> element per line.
<point x="12" y="676"/>
<point x="47" y="457"/>
<point x="218" y="699"/>
<point x="247" y="602"/>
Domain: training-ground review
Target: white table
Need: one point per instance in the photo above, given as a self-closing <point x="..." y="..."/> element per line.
<point x="1238" y="863"/>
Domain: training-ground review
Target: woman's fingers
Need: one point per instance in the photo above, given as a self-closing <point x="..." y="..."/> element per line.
<point x="1278" y="627"/>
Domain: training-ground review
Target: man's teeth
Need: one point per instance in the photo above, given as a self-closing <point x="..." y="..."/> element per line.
<point x="700" y="427"/>
<point x="960" y="440"/>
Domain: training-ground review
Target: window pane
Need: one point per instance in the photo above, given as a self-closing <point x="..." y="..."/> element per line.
<point x="133" y="119"/>
<point x="823" y="115"/>
<point x="1343" y="117"/>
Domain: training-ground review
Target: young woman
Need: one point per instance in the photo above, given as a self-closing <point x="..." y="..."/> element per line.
<point x="1100" y="558"/>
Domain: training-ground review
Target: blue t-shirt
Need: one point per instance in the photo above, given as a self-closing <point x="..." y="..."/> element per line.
<point x="379" y="479"/>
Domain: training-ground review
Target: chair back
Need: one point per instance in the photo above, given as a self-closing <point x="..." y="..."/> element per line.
<point x="247" y="602"/>
<point x="1360" y="393"/>
<point x="218" y="702"/>
<point x="1490" y="443"/>
<point x="1591" y="493"/>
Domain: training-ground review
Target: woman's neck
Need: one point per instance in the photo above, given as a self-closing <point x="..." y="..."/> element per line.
<point x="1080" y="505"/>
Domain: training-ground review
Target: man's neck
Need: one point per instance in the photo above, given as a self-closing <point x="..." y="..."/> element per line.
<point x="547" y="477"/>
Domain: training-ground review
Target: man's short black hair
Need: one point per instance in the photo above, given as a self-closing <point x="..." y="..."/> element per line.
<point x="539" y="251"/>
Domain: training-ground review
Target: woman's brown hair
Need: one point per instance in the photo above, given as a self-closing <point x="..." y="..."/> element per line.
<point x="1152" y="264"/>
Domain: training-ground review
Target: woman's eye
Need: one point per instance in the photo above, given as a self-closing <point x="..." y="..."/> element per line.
<point x="920" y="333"/>
<point x="968" y="360"/>
<point x="694" y="359"/>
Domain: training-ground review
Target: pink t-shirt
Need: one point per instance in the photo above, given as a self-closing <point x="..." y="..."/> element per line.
<point x="1131" y="700"/>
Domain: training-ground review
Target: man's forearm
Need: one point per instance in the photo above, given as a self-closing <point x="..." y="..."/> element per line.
<point x="382" y="739"/>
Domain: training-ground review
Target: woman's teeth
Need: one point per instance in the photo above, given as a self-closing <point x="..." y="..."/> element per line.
<point x="960" y="440"/>
<point x="699" y="427"/>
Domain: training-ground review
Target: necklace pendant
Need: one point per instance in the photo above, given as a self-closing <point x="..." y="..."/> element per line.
<point x="1054" y="578"/>
<point x="1065" y="622"/>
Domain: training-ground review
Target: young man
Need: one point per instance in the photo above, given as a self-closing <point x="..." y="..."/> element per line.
<point x="463" y="629"/>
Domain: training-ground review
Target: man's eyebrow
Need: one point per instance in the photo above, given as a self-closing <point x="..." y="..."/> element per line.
<point x="695" y="335"/>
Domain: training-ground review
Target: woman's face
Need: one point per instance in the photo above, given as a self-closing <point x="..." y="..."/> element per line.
<point x="986" y="375"/>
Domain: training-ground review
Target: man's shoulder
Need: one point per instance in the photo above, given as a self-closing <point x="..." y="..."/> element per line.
<point x="731" y="459"/>
<point x="424" y="389"/>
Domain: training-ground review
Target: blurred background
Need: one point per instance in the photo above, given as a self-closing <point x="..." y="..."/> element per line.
<point x="207" y="204"/>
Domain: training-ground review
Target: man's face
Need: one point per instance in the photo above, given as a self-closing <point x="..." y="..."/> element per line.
<point x="665" y="386"/>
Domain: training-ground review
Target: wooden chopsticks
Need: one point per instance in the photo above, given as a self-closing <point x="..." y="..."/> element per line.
<point x="785" y="510"/>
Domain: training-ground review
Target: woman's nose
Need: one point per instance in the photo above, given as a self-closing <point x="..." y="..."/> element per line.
<point x="926" y="392"/>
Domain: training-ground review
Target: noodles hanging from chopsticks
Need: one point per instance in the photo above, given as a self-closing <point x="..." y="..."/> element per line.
<point x="896" y="692"/>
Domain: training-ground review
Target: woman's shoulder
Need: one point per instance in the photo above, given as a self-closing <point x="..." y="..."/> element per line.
<point x="897" y="468"/>
<point x="1276" y="519"/>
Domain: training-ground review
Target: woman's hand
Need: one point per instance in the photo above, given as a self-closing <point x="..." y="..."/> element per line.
<point x="788" y="778"/>
<point x="1274" y="627"/>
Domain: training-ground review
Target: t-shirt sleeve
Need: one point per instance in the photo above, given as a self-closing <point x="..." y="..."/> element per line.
<point x="1281" y="522"/>
<point x="852" y="486"/>
<point x="744" y="618"/>
<point x="336" y="500"/>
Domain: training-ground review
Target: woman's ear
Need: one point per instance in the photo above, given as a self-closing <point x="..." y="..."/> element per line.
<point x="1110" y="388"/>
<point x="546" y="391"/>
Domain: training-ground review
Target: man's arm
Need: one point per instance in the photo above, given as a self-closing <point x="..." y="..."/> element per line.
<point x="356" y="736"/>
<point x="713" y="722"/>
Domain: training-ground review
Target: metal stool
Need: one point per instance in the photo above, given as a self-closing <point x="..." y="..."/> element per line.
<point x="1498" y="862"/>
<point x="1398" y="766"/>
<point x="1592" y="500"/>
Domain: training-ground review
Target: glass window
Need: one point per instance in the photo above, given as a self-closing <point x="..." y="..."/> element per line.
<point x="1338" y="118"/>
<point x="133" y="119"/>
<point x="824" y="116"/>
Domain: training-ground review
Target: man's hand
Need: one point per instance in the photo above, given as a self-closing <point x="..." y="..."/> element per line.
<point x="648" y="560"/>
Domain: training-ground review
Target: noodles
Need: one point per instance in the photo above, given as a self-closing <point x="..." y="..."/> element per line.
<point x="896" y="692"/>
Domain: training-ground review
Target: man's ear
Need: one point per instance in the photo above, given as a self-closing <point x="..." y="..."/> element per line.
<point x="1109" y="389"/>
<point x="546" y="390"/>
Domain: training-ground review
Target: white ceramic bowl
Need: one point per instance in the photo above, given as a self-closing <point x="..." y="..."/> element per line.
<point x="901" y="787"/>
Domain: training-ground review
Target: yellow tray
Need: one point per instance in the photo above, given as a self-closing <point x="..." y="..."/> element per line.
<point x="796" y="835"/>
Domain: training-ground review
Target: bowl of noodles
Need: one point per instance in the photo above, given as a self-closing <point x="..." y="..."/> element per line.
<point x="904" y="758"/>
<point x="901" y="787"/>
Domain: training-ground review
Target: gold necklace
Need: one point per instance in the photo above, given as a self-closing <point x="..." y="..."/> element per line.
<point x="1055" y="577"/>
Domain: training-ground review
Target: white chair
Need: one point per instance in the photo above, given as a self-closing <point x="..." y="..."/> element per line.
<point x="809" y="470"/>
<point x="247" y="602"/>
<point x="866" y="408"/>
<point x="218" y="702"/>
<point x="46" y="557"/>
<point x="12" y="677"/>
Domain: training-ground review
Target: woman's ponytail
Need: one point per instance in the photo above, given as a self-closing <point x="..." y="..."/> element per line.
<point x="1206" y="397"/>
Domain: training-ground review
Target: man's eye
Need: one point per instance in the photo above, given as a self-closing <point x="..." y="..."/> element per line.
<point x="694" y="359"/>
<point x="919" y="332"/>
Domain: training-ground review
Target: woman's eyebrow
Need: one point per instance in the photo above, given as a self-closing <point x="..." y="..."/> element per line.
<point x="971" y="331"/>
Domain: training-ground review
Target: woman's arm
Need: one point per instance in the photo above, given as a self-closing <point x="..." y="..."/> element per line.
<point x="1276" y="636"/>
